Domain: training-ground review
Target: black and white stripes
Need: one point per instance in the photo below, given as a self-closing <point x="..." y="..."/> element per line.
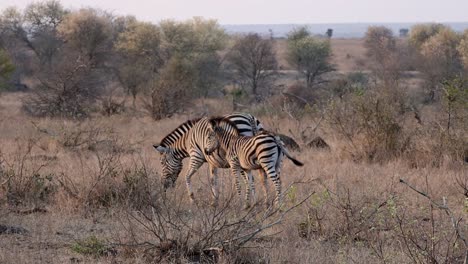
<point x="189" y="141"/>
<point x="261" y="152"/>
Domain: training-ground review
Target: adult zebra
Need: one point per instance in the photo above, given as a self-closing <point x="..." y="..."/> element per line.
<point x="189" y="139"/>
<point x="262" y="152"/>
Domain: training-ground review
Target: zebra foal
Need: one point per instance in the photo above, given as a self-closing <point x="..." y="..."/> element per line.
<point x="260" y="152"/>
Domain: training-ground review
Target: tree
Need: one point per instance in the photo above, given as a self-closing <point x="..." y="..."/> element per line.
<point x="455" y="95"/>
<point x="298" y="33"/>
<point x="198" y="40"/>
<point x="463" y="49"/>
<point x="30" y="37"/>
<point x="441" y="58"/>
<point x="329" y="32"/>
<point x="35" y="28"/>
<point x="41" y="22"/>
<point x="6" y="68"/>
<point x="46" y="15"/>
<point x="381" y="49"/>
<point x="77" y="75"/>
<point x="169" y="92"/>
<point x="254" y="61"/>
<point x="420" y="33"/>
<point x="379" y="42"/>
<point x="311" y="56"/>
<point x="404" y="32"/>
<point x="88" y="31"/>
<point x="440" y="51"/>
<point x="140" y="47"/>
<point x="209" y="38"/>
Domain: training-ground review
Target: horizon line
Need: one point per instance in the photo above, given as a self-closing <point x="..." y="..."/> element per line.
<point x="328" y="23"/>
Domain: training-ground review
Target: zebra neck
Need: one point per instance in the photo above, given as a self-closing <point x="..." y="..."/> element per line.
<point x="180" y="153"/>
<point x="227" y="140"/>
<point x="179" y="148"/>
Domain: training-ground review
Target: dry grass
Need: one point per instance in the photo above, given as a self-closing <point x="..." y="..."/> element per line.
<point x="102" y="185"/>
<point x="88" y="191"/>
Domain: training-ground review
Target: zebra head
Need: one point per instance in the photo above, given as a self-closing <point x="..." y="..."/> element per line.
<point x="219" y="131"/>
<point x="211" y="140"/>
<point x="171" y="165"/>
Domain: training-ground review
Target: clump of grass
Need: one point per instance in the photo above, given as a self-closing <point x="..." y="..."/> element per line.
<point x="92" y="246"/>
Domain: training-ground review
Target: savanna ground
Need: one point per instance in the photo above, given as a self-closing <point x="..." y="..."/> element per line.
<point x="88" y="192"/>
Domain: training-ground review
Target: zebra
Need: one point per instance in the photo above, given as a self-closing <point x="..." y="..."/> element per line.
<point x="188" y="141"/>
<point x="243" y="153"/>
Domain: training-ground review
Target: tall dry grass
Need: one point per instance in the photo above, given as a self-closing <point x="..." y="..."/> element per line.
<point x="96" y="183"/>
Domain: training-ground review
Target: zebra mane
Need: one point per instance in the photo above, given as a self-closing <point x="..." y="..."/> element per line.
<point x="183" y="128"/>
<point x="222" y="119"/>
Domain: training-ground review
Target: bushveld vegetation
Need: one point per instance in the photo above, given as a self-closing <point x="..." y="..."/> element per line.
<point x="84" y="94"/>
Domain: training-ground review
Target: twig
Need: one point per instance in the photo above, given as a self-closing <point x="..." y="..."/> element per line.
<point x="443" y="206"/>
<point x="246" y="237"/>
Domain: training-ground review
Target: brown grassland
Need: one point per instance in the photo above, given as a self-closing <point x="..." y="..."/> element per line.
<point x="89" y="192"/>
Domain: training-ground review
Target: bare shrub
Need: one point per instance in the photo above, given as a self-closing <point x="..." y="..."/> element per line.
<point x="202" y="234"/>
<point x="393" y="226"/>
<point x="169" y="93"/>
<point x="111" y="106"/>
<point x="300" y="94"/>
<point x="111" y="183"/>
<point x="22" y="180"/>
<point x="68" y="89"/>
<point x="78" y="135"/>
<point x="371" y="125"/>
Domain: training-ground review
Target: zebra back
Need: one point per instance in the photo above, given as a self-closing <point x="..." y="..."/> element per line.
<point x="246" y="124"/>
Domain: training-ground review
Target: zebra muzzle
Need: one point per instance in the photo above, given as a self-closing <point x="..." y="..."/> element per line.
<point x="209" y="151"/>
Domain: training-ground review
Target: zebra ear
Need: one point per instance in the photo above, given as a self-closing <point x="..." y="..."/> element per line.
<point x="160" y="148"/>
<point x="212" y="123"/>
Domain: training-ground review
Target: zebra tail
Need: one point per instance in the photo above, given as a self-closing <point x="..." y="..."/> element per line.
<point x="286" y="152"/>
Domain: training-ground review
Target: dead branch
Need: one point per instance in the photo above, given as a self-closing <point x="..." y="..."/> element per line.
<point x="247" y="237"/>
<point x="446" y="209"/>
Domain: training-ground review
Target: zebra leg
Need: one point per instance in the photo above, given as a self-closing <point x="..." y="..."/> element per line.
<point x="278" y="164"/>
<point x="214" y="185"/>
<point x="274" y="176"/>
<point x="194" y="166"/>
<point x="237" y="182"/>
<point x="236" y="170"/>
<point x="248" y="184"/>
<point x="264" y="178"/>
<point x="252" y="186"/>
<point x="277" y="181"/>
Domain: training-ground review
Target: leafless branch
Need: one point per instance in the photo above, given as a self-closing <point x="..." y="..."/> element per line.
<point x="446" y="209"/>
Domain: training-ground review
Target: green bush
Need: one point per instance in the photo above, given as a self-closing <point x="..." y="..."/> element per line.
<point x="92" y="246"/>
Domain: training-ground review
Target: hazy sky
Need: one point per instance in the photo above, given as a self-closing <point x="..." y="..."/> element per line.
<point x="280" y="11"/>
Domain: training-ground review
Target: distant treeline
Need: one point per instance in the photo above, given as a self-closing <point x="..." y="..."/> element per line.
<point x="340" y="30"/>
